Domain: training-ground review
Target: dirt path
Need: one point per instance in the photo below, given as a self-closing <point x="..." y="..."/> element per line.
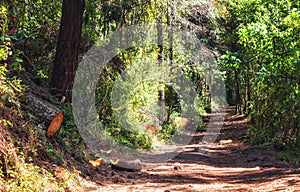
<point x="229" y="165"/>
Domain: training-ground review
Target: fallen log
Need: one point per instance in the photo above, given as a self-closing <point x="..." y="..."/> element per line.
<point x="39" y="102"/>
<point x="41" y="108"/>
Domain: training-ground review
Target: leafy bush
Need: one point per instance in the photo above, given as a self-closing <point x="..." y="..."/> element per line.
<point x="18" y="140"/>
<point x="262" y="37"/>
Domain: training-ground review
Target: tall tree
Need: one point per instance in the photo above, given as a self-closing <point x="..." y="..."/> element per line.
<point x="66" y="58"/>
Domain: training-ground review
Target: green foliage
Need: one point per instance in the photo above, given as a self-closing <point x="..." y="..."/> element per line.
<point x="10" y="87"/>
<point x="138" y="106"/>
<point x="33" y="28"/>
<point x="20" y="144"/>
<point x="135" y="104"/>
<point x="68" y="129"/>
<point x="28" y="177"/>
<point x="264" y="35"/>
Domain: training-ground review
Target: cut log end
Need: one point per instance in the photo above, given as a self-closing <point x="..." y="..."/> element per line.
<point x="55" y="124"/>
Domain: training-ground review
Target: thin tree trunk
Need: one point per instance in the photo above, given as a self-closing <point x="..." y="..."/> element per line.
<point x="170" y="19"/>
<point x="161" y="92"/>
<point x="237" y="93"/>
<point x="160" y="39"/>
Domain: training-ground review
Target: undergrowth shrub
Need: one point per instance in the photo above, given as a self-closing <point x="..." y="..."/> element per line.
<point x="18" y="142"/>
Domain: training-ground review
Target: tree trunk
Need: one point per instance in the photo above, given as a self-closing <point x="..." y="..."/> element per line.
<point x="170" y="18"/>
<point x="237" y="93"/>
<point x="66" y="58"/>
<point x="160" y="39"/>
<point x="161" y="92"/>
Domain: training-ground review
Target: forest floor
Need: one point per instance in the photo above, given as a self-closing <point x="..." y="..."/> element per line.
<point x="231" y="164"/>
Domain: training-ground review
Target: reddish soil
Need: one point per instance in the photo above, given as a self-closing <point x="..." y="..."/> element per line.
<point x="229" y="165"/>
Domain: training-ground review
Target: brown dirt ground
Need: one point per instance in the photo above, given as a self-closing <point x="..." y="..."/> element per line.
<point x="230" y="165"/>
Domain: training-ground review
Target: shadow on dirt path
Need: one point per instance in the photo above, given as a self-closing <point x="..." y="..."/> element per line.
<point x="229" y="165"/>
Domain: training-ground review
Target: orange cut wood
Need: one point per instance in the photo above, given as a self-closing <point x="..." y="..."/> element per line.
<point x="55" y="124"/>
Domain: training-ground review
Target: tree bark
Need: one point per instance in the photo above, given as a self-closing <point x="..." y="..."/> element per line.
<point x="161" y="92"/>
<point x="237" y="93"/>
<point x="66" y="58"/>
<point x="40" y="107"/>
<point x="170" y="19"/>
